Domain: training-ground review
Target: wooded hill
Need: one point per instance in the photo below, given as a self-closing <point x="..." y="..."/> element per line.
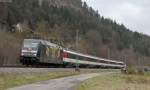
<point x="59" y="20"/>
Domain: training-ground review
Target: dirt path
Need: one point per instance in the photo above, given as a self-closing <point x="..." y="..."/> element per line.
<point x="66" y="83"/>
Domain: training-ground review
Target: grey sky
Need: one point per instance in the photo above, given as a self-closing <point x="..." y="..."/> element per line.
<point x="134" y="14"/>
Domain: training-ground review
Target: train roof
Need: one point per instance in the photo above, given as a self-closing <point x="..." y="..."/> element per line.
<point x="44" y="42"/>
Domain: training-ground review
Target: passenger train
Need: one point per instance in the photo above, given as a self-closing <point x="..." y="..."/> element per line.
<point x="36" y="52"/>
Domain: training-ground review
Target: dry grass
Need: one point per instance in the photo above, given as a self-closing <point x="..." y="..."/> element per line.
<point x="117" y="82"/>
<point x="11" y="80"/>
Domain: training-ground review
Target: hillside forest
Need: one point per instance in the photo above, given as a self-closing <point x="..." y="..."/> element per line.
<point x="59" y="21"/>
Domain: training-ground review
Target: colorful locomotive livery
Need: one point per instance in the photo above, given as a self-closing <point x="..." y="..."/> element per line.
<point x="36" y="52"/>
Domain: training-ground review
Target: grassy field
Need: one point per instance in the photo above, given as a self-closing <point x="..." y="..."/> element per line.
<point x="117" y="82"/>
<point x="11" y="80"/>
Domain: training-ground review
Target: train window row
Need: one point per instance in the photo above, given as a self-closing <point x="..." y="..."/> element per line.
<point x="73" y="56"/>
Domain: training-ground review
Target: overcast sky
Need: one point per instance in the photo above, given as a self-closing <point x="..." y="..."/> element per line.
<point x="134" y="14"/>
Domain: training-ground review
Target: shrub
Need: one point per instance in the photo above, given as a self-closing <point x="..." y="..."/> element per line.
<point x="9" y="49"/>
<point x="131" y="70"/>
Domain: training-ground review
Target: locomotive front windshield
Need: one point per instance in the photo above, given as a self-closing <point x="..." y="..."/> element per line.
<point x="29" y="48"/>
<point x="30" y="45"/>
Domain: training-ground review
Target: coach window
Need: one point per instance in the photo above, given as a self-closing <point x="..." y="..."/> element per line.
<point x="80" y="58"/>
<point x="98" y="61"/>
<point x="85" y="58"/>
<point x="113" y="63"/>
<point x="72" y="56"/>
<point x="103" y="61"/>
<point x="88" y="59"/>
<point x="95" y="60"/>
<point x="120" y="64"/>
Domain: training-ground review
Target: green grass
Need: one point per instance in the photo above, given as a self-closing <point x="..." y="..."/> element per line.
<point x="117" y="82"/>
<point x="11" y="80"/>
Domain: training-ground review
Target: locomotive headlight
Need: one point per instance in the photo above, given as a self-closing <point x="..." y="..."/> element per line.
<point x="34" y="54"/>
<point x="22" y="54"/>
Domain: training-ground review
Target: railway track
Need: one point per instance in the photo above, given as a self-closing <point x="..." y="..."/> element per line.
<point x="20" y="70"/>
